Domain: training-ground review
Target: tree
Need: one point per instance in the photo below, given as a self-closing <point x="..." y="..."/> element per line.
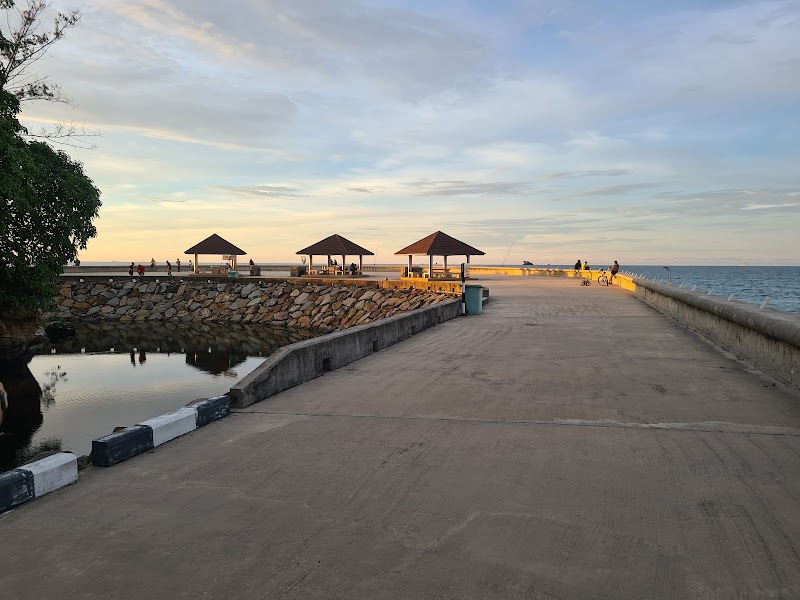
<point x="23" y="45"/>
<point x="47" y="203"/>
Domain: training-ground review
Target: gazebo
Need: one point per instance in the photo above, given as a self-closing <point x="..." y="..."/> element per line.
<point x="335" y="245"/>
<point x="438" y="244"/>
<point x="215" y="244"/>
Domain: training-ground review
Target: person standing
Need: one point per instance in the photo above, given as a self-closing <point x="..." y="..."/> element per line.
<point x="152" y="264"/>
<point x="140" y="271"/>
<point x="178" y="264"/>
<point x="169" y="270"/>
<point x="191" y="266"/>
<point x="130" y="269"/>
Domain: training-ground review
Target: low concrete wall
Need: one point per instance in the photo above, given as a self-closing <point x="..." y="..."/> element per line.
<point x="303" y="361"/>
<point x="519" y="271"/>
<point x="769" y="339"/>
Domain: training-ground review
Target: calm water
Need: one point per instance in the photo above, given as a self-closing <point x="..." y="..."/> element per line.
<point x="120" y="374"/>
<point x="747" y="284"/>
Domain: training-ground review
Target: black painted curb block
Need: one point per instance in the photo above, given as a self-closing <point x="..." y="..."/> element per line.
<point x="16" y="487"/>
<point x="212" y="409"/>
<point x="34" y="480"/>
<point x="114" y="448"/>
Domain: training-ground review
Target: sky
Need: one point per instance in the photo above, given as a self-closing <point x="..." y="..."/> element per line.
<point x="649" y="132"/>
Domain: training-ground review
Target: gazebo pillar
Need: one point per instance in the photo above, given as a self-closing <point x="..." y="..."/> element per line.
<point x="196" y="264"/>
<point x="409" y="265"/>
<point x="310" y="262"/>
<point x="445" y="264"/>
<point x="344" y="263"/>
<point x="467" y="258"/>
<point x="430" y="265"/>
<point x="360" y="263"/>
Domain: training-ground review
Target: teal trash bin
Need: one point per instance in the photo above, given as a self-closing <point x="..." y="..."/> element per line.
<point x="233" y="274"/>
<point x="473" y="296"/>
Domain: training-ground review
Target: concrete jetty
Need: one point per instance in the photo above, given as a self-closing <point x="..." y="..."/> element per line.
<point x="571" y="442"/>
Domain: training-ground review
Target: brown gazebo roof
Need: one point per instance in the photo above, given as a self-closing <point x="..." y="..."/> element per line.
<point x="335" y="245"/>
<point x="214" y="244"/>
<point x="440" y="244"/>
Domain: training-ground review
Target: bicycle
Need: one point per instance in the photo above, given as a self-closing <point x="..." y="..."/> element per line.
<point x="602" y="279"/>
<point x="587" y="278"/>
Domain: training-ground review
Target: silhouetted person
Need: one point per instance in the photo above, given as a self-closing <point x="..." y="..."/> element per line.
<point x="130" y="269"/>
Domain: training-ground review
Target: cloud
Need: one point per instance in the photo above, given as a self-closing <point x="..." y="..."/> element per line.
<point x="470" y="188"/>
<point x="263" y="191"/>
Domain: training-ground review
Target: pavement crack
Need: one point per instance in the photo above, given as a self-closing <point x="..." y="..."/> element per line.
<point x="702" y="426"/>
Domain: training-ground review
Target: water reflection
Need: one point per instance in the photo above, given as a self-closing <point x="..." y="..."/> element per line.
<point x="23" y="417"/>
<point x="74" y="390"/>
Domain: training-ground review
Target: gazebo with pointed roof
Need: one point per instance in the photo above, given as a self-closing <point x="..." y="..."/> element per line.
<point x="438" y="244"/>
<point x="335" y="245"/>
<point x="215" y="244"/>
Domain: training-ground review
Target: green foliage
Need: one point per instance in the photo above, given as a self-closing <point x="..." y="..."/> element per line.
<point x="47" y="203"/>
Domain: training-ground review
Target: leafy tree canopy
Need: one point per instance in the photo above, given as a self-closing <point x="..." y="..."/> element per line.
<point x="47" y="203"/>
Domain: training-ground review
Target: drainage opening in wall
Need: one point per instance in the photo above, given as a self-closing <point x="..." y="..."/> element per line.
<point x="327" y="364"/>
<point x="375" y="347"/>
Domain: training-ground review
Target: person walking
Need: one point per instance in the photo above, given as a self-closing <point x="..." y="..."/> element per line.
<point x="169" y="270"/>
<point x="140" y="271"/>
<point x="178" y="264"/>
<point x="131" y="269"/>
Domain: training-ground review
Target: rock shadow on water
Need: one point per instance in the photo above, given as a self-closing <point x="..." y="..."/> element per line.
<point x="211" y="348"/>
<point x="23" y="417"/>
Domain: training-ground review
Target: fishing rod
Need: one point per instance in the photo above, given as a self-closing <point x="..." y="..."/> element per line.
<point x="509" y="250"/>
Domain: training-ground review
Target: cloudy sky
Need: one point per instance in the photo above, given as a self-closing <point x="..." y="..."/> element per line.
<point x="646" y="131"/>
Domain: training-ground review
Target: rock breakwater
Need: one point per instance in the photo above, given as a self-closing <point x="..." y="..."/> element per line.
<point x="321" y="307"/>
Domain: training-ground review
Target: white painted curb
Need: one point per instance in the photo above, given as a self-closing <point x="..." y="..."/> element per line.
<point x="53" y="472"/>
<point x="171" y="425"/>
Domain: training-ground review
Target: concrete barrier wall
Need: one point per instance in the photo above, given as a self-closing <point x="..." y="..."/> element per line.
<point x="768" y="339"/>
<point x="303" y="361"/>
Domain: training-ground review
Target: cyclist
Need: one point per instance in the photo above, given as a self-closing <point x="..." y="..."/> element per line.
<point x="614" y="271"/>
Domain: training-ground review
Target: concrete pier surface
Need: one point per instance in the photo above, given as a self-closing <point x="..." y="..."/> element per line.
<point x="570" y="442"/>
